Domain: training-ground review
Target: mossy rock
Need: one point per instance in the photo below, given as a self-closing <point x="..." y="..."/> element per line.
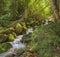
<point x="11" y="37"/>
<point x="3" y="38"/>
<point x="24" y="26"/>
<point x="9" y="30"/>
<point x="4" y="47"/>
<point x="13" y="33"/>
<point x="18" y="28"/>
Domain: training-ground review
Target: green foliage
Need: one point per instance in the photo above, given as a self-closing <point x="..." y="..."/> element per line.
<point x="55" y="27"/>
<point x="4" y="47"/>
<point x="26" y="38"/>
<point x="8" y="11"/>
<point x="44" y="40"/>
<point x="11" y="9"/>
<point x="42" y="7"/>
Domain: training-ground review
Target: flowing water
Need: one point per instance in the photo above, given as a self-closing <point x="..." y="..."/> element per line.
<point x="16" y="44"/>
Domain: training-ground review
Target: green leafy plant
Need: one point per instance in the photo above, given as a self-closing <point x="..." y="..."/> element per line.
<point x="44" y="40"/>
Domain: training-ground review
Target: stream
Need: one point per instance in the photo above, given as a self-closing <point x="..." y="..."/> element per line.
<point x="16" y="44"/>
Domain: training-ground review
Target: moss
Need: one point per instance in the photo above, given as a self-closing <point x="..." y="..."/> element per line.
<point x="4" y="47"/>
<point x="24" y="26"/>
<point x="13" y="33"/>
<point x="11" y="37"/>
<point x="18" y="28"/>
<point x="7" y="30"/>
<point x="11" y="28"/>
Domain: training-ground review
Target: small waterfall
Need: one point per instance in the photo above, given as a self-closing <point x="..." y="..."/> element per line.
<point x="16" y="44"/>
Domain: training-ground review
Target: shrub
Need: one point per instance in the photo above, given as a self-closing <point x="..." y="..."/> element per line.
<point x="44" y="40"/>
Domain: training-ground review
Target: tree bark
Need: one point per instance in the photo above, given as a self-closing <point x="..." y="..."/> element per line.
<point x="59" y="7"/>
<point x="55" y="8"/>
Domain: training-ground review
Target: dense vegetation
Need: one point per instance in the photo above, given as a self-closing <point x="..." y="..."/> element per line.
<point x="17" y="16"/>
<point x="46" y="41"/>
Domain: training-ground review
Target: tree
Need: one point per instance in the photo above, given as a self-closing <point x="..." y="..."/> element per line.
<point x="55" y="8"/>
<point x="59" y="7"/>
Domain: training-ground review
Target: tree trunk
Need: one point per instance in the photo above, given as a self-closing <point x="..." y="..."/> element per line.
<point x="59" y="7"/>
<point x="55" y="8"/>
